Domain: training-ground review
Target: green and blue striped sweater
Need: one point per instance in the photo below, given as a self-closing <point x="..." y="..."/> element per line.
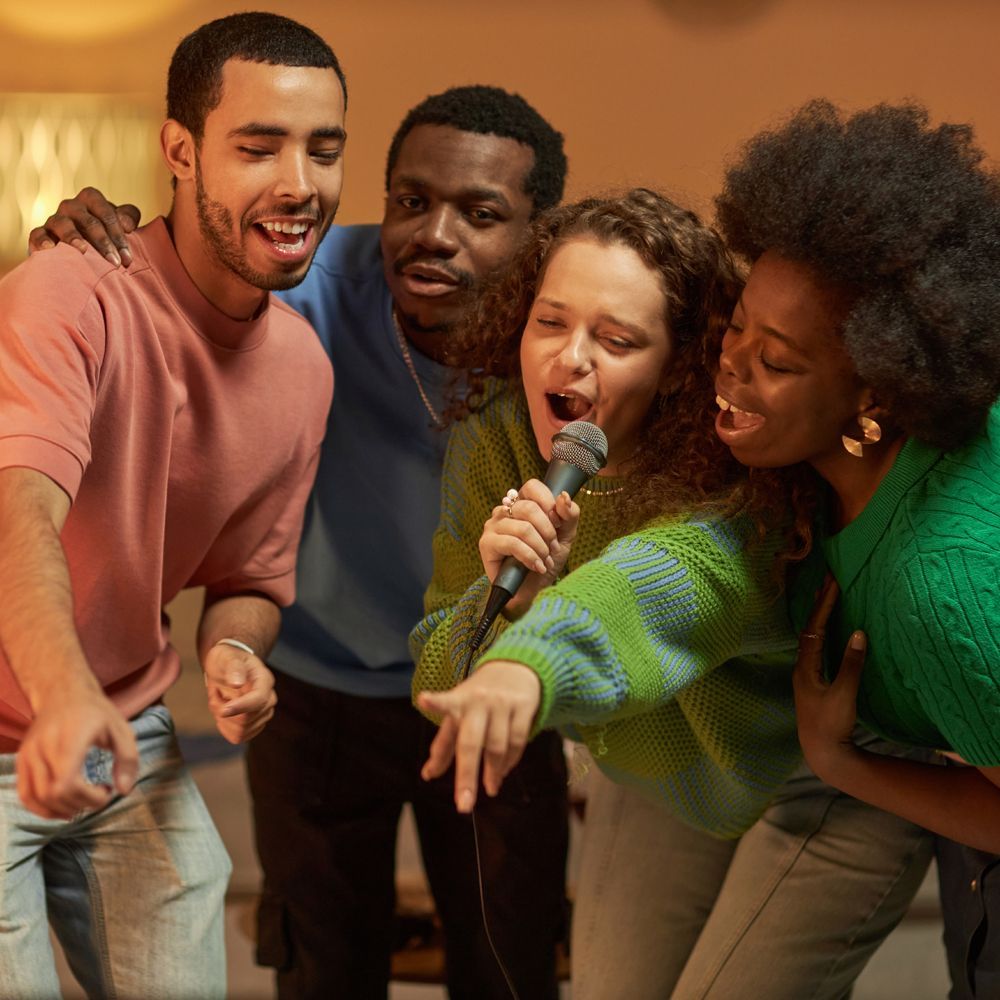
<point x="668" y="651"/>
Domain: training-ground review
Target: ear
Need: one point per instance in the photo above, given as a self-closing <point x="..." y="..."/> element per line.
<point x="869" y="405"/>
<point x="178" y="147"/>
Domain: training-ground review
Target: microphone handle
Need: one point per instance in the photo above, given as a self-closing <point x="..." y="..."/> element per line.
<point x="560" y="475"/>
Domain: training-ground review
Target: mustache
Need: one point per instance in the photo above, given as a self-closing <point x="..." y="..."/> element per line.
<point x="463" y="279"/>
<point x="306" y="211"/>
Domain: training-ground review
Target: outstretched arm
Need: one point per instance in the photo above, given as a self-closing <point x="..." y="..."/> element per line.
<point x="88" y="219"/>
<point x="624" y="634"/>
<point x="37" y="630"/>
<point x="962" y="803"/>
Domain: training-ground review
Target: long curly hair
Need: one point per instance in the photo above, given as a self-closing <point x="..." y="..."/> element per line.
<point x="681" y="464"/>
<point x="906" y="218"/>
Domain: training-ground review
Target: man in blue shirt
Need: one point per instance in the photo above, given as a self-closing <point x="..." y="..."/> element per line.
<point x="466" y="172"/>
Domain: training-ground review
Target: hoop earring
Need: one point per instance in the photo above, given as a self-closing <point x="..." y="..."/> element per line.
<point x="871" y="433"/>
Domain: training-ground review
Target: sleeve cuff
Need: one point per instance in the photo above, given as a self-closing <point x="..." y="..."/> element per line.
<point x="44" y="456"/>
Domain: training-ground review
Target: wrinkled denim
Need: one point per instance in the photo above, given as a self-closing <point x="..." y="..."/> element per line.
<point x="134" y="891"/>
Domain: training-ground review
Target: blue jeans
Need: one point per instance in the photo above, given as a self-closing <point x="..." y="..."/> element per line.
<point x="791" y="911"/>
<point x="134" y="891"/>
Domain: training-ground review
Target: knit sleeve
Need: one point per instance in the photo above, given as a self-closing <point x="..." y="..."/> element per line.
<point x="656" y="612"/>
<point x="487" y="454"/>
<point x="953" y="635"/>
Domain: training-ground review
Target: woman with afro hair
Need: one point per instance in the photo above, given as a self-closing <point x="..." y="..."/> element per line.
<point x="865" y="348"/>
<point x="713" y="864"/>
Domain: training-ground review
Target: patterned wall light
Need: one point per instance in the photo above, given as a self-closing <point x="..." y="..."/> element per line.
<point x="51" y="145"/>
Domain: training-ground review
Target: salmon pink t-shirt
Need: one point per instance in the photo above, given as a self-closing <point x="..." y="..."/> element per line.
<point x="188" y="463"/>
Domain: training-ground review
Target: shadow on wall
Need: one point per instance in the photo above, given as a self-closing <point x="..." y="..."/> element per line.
<point x="713" y="14"/>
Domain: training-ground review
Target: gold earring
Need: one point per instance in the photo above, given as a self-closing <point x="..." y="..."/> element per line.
<point x="871" y="432"/>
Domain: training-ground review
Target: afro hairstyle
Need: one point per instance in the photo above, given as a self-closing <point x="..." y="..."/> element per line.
<point x="906" y="217"/>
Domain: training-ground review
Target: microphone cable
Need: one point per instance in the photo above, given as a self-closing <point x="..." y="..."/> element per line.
<point x="579" y="451"/>
<point x="479" y="872"/>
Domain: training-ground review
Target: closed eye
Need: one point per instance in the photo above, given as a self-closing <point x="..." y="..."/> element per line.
<point x="773" y="367"/>
<point x="619" y="343"/>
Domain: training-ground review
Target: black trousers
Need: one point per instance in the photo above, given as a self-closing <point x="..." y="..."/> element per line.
<point x="329" y="776"/>
<point x="970" y="904"/>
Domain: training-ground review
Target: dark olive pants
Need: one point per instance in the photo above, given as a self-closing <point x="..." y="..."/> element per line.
<point x="329" y="776"/>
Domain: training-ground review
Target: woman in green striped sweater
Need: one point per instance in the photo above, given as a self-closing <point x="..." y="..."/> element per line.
<point x="867" y="345"/>
<point x="669" y="653"/>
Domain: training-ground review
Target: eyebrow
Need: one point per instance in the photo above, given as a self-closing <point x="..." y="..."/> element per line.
<point x="606" y="317"/>
<point x="771" y="331"/>
<point x="493" y="195"/>
<point x="279" y="131"/>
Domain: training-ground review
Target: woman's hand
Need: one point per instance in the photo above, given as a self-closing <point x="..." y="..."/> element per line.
<point x="538" y="530"/>
<point x="492" y="711"/>
<point x="826" y="712"/>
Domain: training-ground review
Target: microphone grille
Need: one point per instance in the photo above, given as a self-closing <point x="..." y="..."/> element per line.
<point x="582" y="444"/>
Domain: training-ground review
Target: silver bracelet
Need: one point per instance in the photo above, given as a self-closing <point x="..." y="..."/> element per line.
<point x="236" y="644"/>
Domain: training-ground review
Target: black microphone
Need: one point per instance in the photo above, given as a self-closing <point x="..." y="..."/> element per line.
<point x="579" y="452"/>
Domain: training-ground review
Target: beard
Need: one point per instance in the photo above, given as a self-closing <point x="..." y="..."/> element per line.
<point x="216" y="225"/>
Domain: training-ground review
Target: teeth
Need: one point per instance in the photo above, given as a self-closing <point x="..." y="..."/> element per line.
<point x="292" y="228"/>
<point x="724" y="404"/>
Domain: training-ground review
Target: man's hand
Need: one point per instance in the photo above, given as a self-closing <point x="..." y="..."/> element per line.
<point x="826" y="712"/>
<point x="492" y="710"/>
<point x="50" y="778"/>
<point x="89" y="219"/>
<point x="240" y="692"/>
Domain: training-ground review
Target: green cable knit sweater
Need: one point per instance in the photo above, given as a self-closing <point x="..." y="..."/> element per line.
<point x="668" y="654"/>
<point x="919" y="571"/>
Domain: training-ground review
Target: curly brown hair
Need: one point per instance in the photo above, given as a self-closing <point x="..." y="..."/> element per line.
<point x="680" y="464"/>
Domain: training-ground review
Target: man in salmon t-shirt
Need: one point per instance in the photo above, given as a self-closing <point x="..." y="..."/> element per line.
<point x="159" y="429"/>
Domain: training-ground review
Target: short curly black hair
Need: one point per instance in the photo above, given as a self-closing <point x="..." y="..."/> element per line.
<point x="906" y="218"/>
<point x="194" y="80"/>
<point x="494" y="111"/>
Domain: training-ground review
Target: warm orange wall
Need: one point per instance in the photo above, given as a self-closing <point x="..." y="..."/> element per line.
<point x="651" y="91"/>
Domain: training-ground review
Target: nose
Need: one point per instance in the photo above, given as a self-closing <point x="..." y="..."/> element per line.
<point x="734" y="359"/>
<point x="436" y="232"/>
<point x="295" y="181"/>
<point x="575" y="355"/>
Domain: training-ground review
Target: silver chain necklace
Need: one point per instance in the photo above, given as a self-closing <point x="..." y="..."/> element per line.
<point x="412" y="369"/>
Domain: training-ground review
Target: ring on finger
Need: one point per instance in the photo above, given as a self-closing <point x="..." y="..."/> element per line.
<point x="810" y="641"/>
<point x="508" y="501"/>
